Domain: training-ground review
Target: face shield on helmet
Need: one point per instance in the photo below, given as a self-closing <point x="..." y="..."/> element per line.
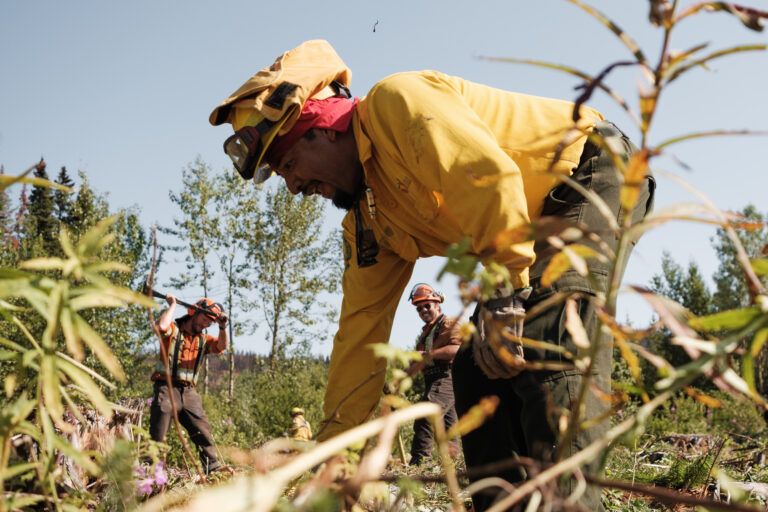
<point x="248" y="146"/>
<point x="208" y="307"/>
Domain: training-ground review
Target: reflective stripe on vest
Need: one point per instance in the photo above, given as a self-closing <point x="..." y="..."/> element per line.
<point x="174" y="347"/>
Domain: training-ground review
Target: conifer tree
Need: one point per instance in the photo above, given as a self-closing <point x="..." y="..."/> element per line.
<point x="87" y="208"/>
<point x="42" y="227"/>
<point x="731" y="290"/>
<point x="688" y="288"/>
<point x="62" y="200"/>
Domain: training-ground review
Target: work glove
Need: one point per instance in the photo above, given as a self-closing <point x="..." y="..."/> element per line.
<point x="497" y="349"/>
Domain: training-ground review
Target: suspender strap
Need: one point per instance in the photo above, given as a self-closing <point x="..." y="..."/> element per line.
<point x="430" y="339"/>
<point x="200" y="354"/>
<point x="175" y="361"/>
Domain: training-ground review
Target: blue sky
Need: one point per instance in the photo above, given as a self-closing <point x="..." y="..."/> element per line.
<point x="122" y="91"/>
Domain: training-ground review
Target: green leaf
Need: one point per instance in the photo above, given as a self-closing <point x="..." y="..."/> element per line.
<point x="17" y="470"/>
<point x="726" y="320"/>
<point x="97" y="299"/>
<point x="52" y="315"/>
<point x="714" y="55"/>
<point x="459" y="262"/>
<point x="760" y="266"/>
<point x="7" y="355"/>
<point x="12" y="345"/>
<point x="92" y="242"/>
<point x="49" y="383"/>
<point x="21" y="501"/>
<point x="6" y="181"/>
<point x="108" y="266"/>
<point x="66" y="244"/>
<point x="748" y="363"/>
<point x="87" y="370"/>
<point x="677" y="57"/>
<point x="749" y="17"/>
<point x="71" y="337"/>
<point x="88" y="387"/>
<point x="710" y="133"/>
<point x="14" y="287"/>
<point x="99" y="348"/>
<point x="42" y="264"/>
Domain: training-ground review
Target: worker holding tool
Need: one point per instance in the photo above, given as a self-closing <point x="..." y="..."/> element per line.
<point x="438" y="343"/>
<point x="300" y="429"/>
<point x="427" y="160"/>
<point x="184" y="344"/>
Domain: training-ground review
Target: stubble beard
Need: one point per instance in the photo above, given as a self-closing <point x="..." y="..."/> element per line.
<point x="343" y="200"/>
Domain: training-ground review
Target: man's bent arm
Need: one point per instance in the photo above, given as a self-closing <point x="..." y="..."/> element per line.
<point x="223" y="341"/>
<point x="356" y="376"/>
<point x="166" y="319"/>
<point x="445" y="353"/>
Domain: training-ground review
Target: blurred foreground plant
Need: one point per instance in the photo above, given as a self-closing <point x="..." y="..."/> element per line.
<point x="46" y="382"/>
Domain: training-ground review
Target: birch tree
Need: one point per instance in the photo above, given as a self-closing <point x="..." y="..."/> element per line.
<point x="298" y="261"/>
<point x="196" y="228"/>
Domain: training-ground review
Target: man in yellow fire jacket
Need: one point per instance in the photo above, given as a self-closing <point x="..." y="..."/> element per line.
<point x="424" y="161"/>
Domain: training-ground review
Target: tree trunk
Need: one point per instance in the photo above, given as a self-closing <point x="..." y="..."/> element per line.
<point x="273" y="351"/>
<point x="205" y="363"/>
<point x="231" y="390"/>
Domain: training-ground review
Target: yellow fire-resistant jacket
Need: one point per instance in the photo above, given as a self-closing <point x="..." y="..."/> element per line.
<point x="446" y="159"/>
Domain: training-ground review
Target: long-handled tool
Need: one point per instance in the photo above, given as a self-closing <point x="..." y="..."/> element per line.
<point x="161" y="295"/>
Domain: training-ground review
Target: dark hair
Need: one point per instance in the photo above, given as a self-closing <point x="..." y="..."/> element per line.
<point x="309" y="134"/>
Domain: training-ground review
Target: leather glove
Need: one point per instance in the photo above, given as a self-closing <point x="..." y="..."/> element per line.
<point x="499" y="323"/>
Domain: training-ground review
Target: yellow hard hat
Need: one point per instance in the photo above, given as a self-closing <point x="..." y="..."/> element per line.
<point x="271" y="101"/>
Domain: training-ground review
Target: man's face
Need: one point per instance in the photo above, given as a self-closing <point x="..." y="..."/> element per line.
<point x="325" y="165"/>
<point x="428" y="311"/>
<point x="200" y="322"/>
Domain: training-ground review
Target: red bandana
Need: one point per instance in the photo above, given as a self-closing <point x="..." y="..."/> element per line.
<point x="331" y="113"/>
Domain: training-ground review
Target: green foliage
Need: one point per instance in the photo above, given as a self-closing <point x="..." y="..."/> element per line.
<point x="70" y="309"/>
<point x="738" y="416"/>
<point x="119" y="493"/>
<point x="5" y="213"/>
<point x="685" y="415"/>
<point x="237" y="209"/>
<point x="680" y="415"/>
<point x="263" y="399"/>
<point x="41" y="208"/>
<point x="730" y="283"/>
<point x="45" y="375"/>
<point x="297" y="262"/>
<point x="684" y="474"/>
<point x="62" y="199"/>
<point x="686" y="287"/>
<point x="197" y="227"/>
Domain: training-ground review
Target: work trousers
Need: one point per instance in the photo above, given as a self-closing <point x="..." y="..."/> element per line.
<point x="192" y="417"/>
<point x="439" y="391"/>
<point x="525" y="422"/>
